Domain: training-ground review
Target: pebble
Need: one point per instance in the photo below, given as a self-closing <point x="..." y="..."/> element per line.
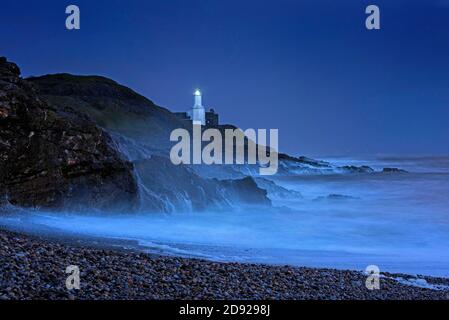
<point x="109" y="274"/>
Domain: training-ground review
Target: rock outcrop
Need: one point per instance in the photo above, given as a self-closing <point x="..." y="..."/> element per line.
<point x="55" y="157"/>
<point x="357" y="169"/>
<point x="393" y="170"/>
<point x="170" y="188"/>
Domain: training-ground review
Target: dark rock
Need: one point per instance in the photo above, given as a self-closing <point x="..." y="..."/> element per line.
<point x="393" y="170"/>
<point x="275" y="191"/>
<point x="245" y="191"/>
<point x="334" y="196"/>
<point x="355" y="169"/>
<point x="304" y="160"/>
<point x="52" y="156"/>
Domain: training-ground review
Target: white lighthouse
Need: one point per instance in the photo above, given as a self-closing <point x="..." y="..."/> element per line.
<point x="198" y="113"/>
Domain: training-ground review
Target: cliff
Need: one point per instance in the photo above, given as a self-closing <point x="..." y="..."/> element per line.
<point x="54" y="156"/>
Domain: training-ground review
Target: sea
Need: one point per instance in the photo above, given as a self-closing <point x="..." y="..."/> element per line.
<point x="396" y="221"/>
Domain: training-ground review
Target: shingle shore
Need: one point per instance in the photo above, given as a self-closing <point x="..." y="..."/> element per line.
<point x="34" y="268"/>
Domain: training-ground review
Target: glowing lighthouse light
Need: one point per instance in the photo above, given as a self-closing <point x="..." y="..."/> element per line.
<point x="198" y="112"/>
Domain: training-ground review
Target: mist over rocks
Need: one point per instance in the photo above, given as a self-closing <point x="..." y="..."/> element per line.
<point x="275" y="192"/>
<point x="54" y="156"/>
<point x="169" y="188"/>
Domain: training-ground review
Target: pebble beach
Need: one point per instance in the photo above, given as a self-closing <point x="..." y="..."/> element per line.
<point x="34" y="268"/>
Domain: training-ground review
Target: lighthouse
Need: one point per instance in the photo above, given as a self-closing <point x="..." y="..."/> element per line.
<point x="198" y="113"/>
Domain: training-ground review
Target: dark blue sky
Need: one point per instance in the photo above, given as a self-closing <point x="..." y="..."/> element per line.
<point x="309" y="68"/>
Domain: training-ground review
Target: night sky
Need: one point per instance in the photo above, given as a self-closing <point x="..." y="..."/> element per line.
<point x="309" y="68"/>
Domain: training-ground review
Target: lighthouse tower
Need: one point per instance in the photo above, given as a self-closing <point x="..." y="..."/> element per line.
<point x="198" y="113"/>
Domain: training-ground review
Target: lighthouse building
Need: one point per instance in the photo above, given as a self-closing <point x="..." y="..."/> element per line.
<point x="198" y="113"/>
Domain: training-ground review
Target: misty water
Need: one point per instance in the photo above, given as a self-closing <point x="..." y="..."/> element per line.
<point x="397" y="221"/>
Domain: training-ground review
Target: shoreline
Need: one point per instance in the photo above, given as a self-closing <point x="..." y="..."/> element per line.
<point x="34" y="267"/>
